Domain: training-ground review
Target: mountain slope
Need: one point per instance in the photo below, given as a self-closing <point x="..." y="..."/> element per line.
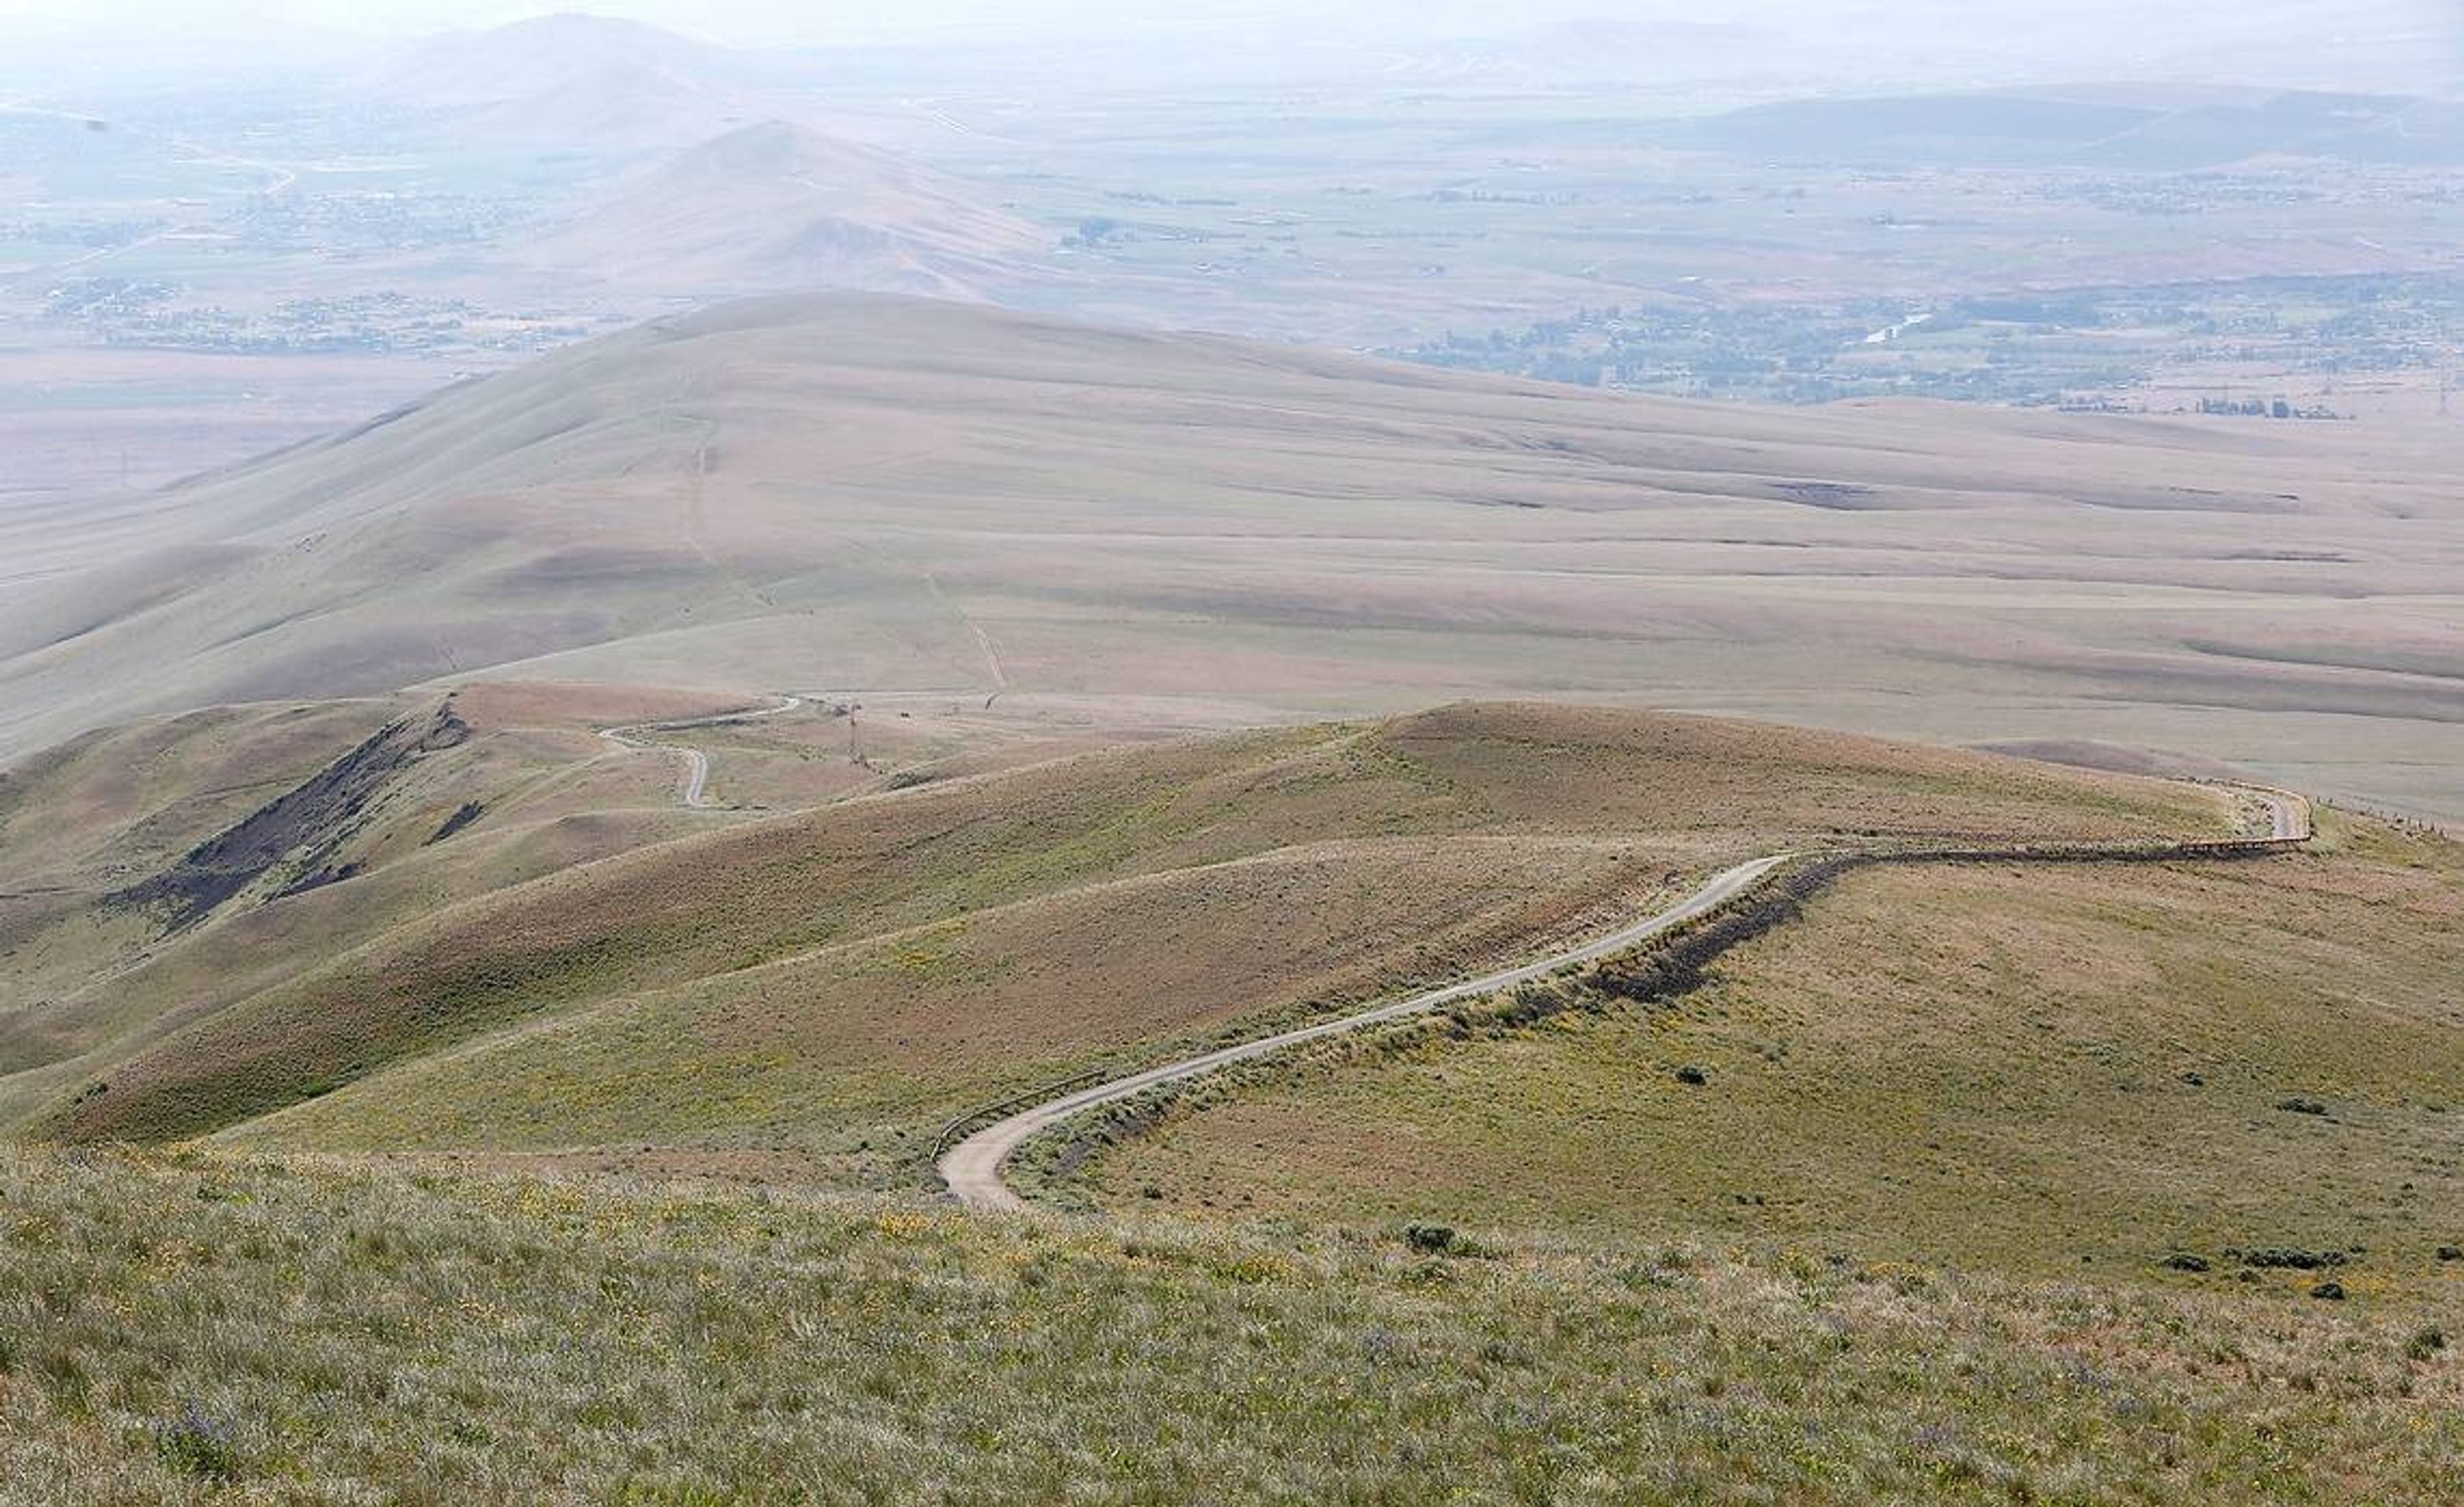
<point x="534" y="57"/>
<point x="883" y="493"/>
<point x="775" y="206"/>
<point x="863" y="970"/>
<point x="628" y="104"/>
<point x="545" y="1335"/>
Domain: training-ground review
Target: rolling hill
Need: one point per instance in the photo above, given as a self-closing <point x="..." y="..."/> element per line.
<point x="373" y="1001"/>
<point x="2210" y="1060"/>
<point x="847" y="897"/>
<point x="582" y="1050"/>
<point x="626" y="105"/>
<point x="776" y="208"/>
<point x="460" y="900"/>
<point x="886" y="494"/>
<point x="536" y="57"/>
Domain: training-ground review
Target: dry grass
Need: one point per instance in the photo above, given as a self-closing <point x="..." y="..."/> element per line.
<point x="843" y="1063"/>
<point x="313" y="1333"/>
<point x="241" y="1022"/>
<point x="113" y="806"/>
<point x="87" y="974"/>
<point x="2036" y="1068"/>
<point x="533" y="792"/>
<point x="801" y="998"/>
<point x="1557" y="768"/>
<point x="872" y="494"/>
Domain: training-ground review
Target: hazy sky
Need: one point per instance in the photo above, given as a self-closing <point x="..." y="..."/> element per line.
<point x="2076" y="38"/>
<point x="752" y="21"/>
<point x="772" y="21"/>
<point x="784" y="20"/>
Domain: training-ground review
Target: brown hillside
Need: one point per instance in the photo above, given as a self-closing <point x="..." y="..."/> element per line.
<point x="775" y="206"/>
<point x="531" y="57"/>
<point x="624" y="105"/>
<point x="875" y="493"/>
<point x="880" y="925"/>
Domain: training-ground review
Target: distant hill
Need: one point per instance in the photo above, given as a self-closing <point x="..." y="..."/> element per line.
<point x="2142" y="126"/>
<point x="873" y="492"/>
<point x="536" y="56"/>
<point x="629" y="104"/>
<point x="777" y="207"/>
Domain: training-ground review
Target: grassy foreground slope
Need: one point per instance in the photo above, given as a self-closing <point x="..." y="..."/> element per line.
<point x="841" y="979"/>
<point x="192" y="1328"/>
<point x="2042" y="1069"/>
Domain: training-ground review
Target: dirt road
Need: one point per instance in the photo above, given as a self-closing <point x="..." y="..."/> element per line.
<point x="2291" y="813"/>
<point x="972" y="1168"/>
<point x="692" y="785"/>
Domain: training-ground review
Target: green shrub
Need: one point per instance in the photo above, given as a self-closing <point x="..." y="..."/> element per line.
<point x="1430" y="1239"/>
<point x="199" y="1447"/>
<point x="2289" y="1257"/>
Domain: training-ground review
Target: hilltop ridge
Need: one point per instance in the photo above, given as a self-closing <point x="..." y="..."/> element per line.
<point x="878" y="493"/>
<point x="774" y="206"/>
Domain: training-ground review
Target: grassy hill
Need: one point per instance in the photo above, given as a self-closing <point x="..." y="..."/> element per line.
<point x="2137" y="1061"/>
<point x="577" y="970"/>
<point x="616" y="106"/>
<point x="1906" y="1239"/>
<point x="876" y="494"/>
<point x="166" y="870"/>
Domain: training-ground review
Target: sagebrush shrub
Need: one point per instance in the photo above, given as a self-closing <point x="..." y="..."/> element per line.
<point x="198" y="1446"/>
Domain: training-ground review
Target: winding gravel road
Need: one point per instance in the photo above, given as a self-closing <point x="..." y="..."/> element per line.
<point x="692" y="785"/>
<point x="972" y="1168"/>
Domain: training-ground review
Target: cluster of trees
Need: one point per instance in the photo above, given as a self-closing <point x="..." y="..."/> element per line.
<point x="2264" y="408"/>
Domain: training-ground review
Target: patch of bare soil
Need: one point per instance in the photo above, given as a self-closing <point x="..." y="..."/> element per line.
<point x="304" y="826"/>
